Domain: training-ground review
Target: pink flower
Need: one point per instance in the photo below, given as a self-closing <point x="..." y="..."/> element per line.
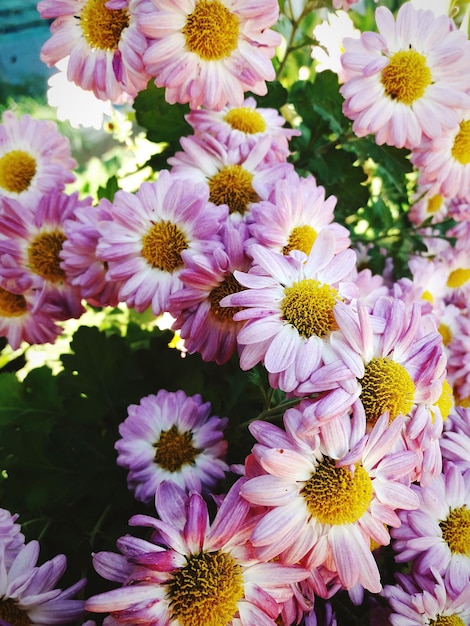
<point x="104" y="45"/>
<point x="407" y="81"/>
<point x="210" y="53"/>
<point x="171" y="436"/>
<point x="224" y="583"/>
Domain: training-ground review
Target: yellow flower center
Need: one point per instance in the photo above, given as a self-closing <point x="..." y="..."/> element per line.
<point x="301" y="238"/>
<point x="10" y="613"/>
<point x="11" y="304"/>
<point x="447" y="620"/>
<point x="206" y="591"/>
<point x="461" y="147"/>
<point x="211" y="30"/>
<point x="233" y="186"/>
<point x="446" y="400"/>
<point x="228" y="286"/>
<point x="246" y="120"/>
<point x="406" y="77"/>
<point x="43" y="256"/>
<point x="445" y="333"/>
<point x="456" y="531"/>
<point x="458" y="278"/>
<point x="175" y="449"/>
<point x="337" y="495"/>
<point x="463" y="402"/>
<point x="427" y="295"/>
<point x="434" y="204"/>
<point x="162" y="246"/>
<point x="17" y="170"/>
<point x="386" y="386"/>
<point x="102" y="27"/>
<point x="308" y="305"/>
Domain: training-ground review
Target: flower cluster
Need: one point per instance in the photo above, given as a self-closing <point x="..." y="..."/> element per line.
<point x="361" y="449"/>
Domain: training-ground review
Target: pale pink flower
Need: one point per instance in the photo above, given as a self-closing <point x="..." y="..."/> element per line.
<point x="328" y="496"/>
<point x="104" y="45"/>
<point x="289" y="306"/>
<point x="224" y="583"/>
<point x="35" y="158"/>
<point x="209" y="53"/>
<point x="409" y="80"/>
<point x="143" y="242"/>
<point x="455" y="440"/>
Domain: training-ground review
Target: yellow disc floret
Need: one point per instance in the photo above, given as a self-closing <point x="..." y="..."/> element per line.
<point x="11" y="304"/>
<point x="301" y="238"/>
<point x="406" y="77"/>
<point x="386" y="387"/>
<point x="337" y="495"/>
<point x="456" y="531"/>
<point x="461" y="147"/>
<point x="233" y="186"/>
<point x="458" y="278"/>
<point x="17" y="170"/>
<point x="308" y="305"/>
<point x="44" y="255"/>
<point x="246" y="120"/>
<point x="447" y="620"/>
<point x="446" y="400"/>
<point x="175" y="449"/>
<point x="162" y="246"/>
<point x="206" y="591"/>
<point x="102" y="27"/>
<point x="211" y="30"/>
<point x="228" y="286"/>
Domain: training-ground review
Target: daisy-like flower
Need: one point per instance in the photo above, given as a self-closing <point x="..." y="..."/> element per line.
<point x="245" y="125"/>
<point x="455" y="440"/>
<point x="21" y="319"/>
<point x="428" y="206"/>
<point x="294" y="214"/>
<point x="329" y="497"/>
<point x="80" y="263"/>
<point x="11" y="537"/>
<point x="409" y="80"/>
<point x="444" y="161"/>
<point x="30" y="247"/>
<point x="289" y="306"/>
<point x="27" y="590"/>
<point x="209" y="52"/>
<point x="437" y="535"/>
<point x="233" y="178"/>
<point x="422" y="600"/>
<point x="35" y="158"/>
<point x="399" y="369"/>
<point x="172" y="436"/>
<point x="192" y="572"/>
<point x="204" y="325"/>
<point x="143" y="242"/>
<point x="104" y="45"/>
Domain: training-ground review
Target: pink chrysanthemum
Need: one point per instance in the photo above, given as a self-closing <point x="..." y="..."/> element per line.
<point x="202" y="323"/>
<point x="409" y="79"/>
<point x="293" y="215"/>
<point x="399" y="369"/>
<point x="80" y="263"/>
<point x="27" y="593"/>
<point x="192" y="572"/>
<point x="245" y="126"/>
<point x="426" y="601"/>
<point x="30" y="247"/>
<point x="143" y="242"/>
<point x="24" y="318"/>
<point x="428" y="206"/>
<point x="438" y="534"/>
<point x="104" y="44"/>
<point x="444" y="161"/>
<point x="329" y="496"/>
<point x="455" y="440"/>
<point x="233" y="178"/>
<point x="171" y="436"/>
<point x="35" y="158"/>
<point x="289" y="306"/>
<point x="209" y="52"/>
